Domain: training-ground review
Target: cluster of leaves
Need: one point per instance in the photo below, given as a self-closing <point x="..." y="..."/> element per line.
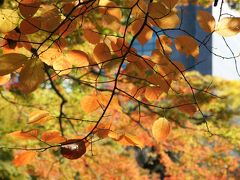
<point x="86" y="47"/>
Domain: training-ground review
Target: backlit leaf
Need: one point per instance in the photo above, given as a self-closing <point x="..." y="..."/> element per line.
<point x="101" y="53"/>
<point x="228" y="26"/>
<point x="4" y="79"/>
<point x="52" y="137"/>
<point x="188" y="108"/>
<point x="30" y="25"/>
<point x="187" y="45"/>
<point x="8" y="20"/>
<point x="206" y="21"/>
<point x="24" y="158"/>
<point x="11" y="62"/>
<point x="28" y="7"/>
<point x="31" y="76"/>
<point x="26" y="135"/>
<point x="38" y="116"/>
<point x="161" y="129"/>
<point x="62" y="66"/>
<point x="89" y="103"/>
<point x="77" y="58"/>
<point x="91" y="36"/>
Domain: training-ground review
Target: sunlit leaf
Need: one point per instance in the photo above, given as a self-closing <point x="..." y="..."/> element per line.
<point x="38" y="116"/>
<point x="62" y="66"/>
<point x="161" y="129"/>
<point x="228" y="26"/>
<point x="101" y="53"/>
<point x="78" y="58"/>
<point x="8" y="20"/>
<point x="32" y="75"/>
<point x="4" y="79"/>
<point x="89" y="103"/>
<point x="91" y="36"/>
<point x="52" y="137"/>
<point x="50" y="20"/>
<point x="187" y="107"/>
<point x="11" y="62"/>
<point x="206" y="21"/>
<point x="24" y="158"/>
<point x="187" y="45"/>
<point x="26" y="135"/>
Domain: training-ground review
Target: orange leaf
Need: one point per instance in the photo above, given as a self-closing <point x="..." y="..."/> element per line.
<point x="52" y="137"/>
<point x="187" y="45"/>
<point x="38" y="116"/>
<point x="206" y="21"/>
<point x="50" y="20"/>
<point x="89" y="103"/>
<point x="4" y="79"/>
<point x="188" y="108"/>
<point x="24" y="158"/>
<point x="27" y="135"/>
<point x="101" y="53"/>
<point x="91" y="36"/>
<point x="152" y="93"/>
<point x="161" y="129"/>
<point x="78" y="58"/>
<point x="62" y="66"/>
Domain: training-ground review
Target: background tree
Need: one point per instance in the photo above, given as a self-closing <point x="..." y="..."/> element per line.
<point x="74" y="63"/>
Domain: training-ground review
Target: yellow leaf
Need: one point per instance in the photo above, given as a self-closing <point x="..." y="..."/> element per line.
<point x="161" y="129"/>
<point x="31" y="76"/>
<point x="187" y="45"/>
<point x="4" y="79"/>
<point x="101" y="53"/>
<point x="26" y="135"/>
<point x="62" y="66"/>
<point x="38" y="116"/>
<point x="11" y="62"/>
<point x="206" y="21"/>
<point x="24" y="158"/>
<point x="52" y="137"/>
<point x="8" y="20"/>
<point x="228" y="26"/>
<point x="171" y="20"/>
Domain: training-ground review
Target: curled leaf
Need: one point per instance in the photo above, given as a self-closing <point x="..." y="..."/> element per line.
<point x="38" y="116"/>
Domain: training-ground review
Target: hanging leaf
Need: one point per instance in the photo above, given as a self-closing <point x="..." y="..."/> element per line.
<point x="228" y="26"/>
<point x="77" y="58"/>
<point x="206" y="21"/>
<point x="31" y="76"/>
<point x="26" y="135"/>
<point x="73" y="149"/>
<point x="8" y="20"/>
<point x="91" y="36"/>
<point x="28" y="7"/>
<point x="101" y="53"/>
<point x="11" y="62"/>
<point x="38" y="116"/>
<point x="4" y="79"/>
<point x="161" y="129"/>
<point x="52" y="137"/>
<point x="152" y="93"/>
<point x="171" y="20"/>
<point x="24" y="158"/>
<point x="187" y="45"/>
<point x="89" y="103"/>
<point x="50" y="20"/>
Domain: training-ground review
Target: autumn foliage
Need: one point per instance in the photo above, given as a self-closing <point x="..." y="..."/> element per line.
<point x="80" y="57"/>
